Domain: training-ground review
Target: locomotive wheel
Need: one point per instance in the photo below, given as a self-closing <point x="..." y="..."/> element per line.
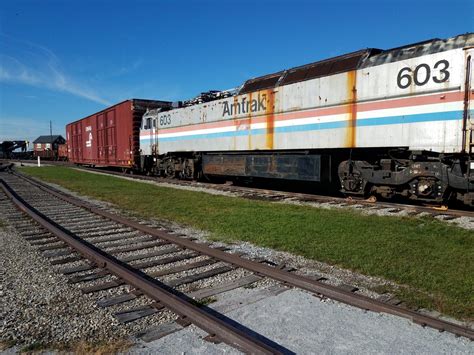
<point x="189" y="169"/>
<point x="169" y="170"/>
<point x="351" y="179"/>
<point x="188" y="172"/>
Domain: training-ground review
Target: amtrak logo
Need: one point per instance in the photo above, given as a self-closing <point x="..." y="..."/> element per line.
<point x="245" y="106"/>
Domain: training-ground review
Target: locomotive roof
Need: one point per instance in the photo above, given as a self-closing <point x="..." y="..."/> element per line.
<point x="419" y="49"/>
<point x="360" y="59"/>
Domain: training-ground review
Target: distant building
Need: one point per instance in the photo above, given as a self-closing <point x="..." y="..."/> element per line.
<point x="47" y="146"/>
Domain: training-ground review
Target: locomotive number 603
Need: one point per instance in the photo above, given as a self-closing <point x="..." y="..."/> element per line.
<point x="422" y="74"/>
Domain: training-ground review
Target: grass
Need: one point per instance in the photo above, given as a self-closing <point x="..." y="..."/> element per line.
<point x="118" y="346"/>
<point x="205" y="301"/>
<point x="5" y="344"/>
<point x="111" y="346"/>
<point x="34" y="347"/>
<point x="430" y="257"/>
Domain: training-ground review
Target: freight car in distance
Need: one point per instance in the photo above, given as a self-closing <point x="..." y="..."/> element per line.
<point x="110" y="137"/>
<point x="392" y="122"/>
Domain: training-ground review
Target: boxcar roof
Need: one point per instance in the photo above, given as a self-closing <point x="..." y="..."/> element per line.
<point x="138" y="103"/>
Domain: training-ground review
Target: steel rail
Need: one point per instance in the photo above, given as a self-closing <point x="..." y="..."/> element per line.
<point x="329" y="291"/>
<point x="150" y="287"/>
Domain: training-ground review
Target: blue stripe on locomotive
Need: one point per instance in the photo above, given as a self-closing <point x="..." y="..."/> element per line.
<point x="379" y="121"/>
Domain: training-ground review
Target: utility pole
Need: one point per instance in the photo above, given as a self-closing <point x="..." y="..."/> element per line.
<point x="51" y="137"/>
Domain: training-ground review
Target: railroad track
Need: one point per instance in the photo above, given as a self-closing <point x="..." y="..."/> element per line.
<point x="276" y="195"/>
<point x="89" y="243"/>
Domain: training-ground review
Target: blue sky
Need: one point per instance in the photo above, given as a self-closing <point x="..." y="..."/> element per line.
<point x="63" y="60"/>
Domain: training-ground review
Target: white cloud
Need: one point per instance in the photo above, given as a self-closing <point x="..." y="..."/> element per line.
<point x="23" y="62"/>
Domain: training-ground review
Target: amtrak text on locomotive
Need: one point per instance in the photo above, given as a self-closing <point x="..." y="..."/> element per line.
<point x="245" y="106"/>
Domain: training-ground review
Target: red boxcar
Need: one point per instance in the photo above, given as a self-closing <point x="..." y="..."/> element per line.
<point x="110" y="137"/>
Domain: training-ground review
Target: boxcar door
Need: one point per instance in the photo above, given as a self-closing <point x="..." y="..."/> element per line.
<point x="77" y="139"/>
<point x="111" y="138"/>
<point x="101" y="134"/>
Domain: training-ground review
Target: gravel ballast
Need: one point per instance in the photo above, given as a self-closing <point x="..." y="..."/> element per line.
<point x="39" y="307"/>
<point x="304" y="324"/>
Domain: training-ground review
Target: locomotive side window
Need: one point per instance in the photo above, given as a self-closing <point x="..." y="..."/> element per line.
<point x="147" y="123"/>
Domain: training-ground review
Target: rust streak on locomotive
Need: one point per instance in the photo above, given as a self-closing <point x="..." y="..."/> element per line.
<point x="270" y="119"/>
<point x="249" y="125"/>
<point x="236" y="121"/>
<point x="351" y="109"/>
